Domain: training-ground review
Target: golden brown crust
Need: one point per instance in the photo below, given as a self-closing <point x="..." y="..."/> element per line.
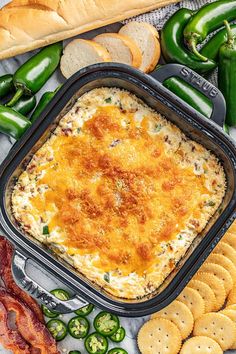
<point x="30" y="24"/>
<point x="109" y="176"/>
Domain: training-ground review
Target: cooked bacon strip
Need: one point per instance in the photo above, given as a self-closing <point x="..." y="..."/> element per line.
<point x="11" y="339"/>
<point x="29" y="326"/>
<point x="6" y="253"/>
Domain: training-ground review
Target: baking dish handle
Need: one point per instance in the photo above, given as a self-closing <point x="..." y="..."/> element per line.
<point x="39" y="293"/>
<point x="198" y="82"/>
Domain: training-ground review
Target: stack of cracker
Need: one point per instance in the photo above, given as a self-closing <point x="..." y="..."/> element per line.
<point x="203" y="318"/>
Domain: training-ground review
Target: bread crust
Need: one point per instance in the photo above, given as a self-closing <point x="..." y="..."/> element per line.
<point x="154" y="58"/>
<point x="128" y="42"/>
<point x="99" y="49"/>
<point x="29" y="24"/>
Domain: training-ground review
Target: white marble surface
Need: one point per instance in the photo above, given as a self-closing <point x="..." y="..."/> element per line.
<point x="131" y="325"/>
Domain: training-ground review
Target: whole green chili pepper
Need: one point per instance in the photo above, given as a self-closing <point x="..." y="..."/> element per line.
<point x="227" y="75"/>
<point x="6" y="85"/>
<point x="172" y="45"/>
<point x="33" y="74"/>
<point x="25" y="105"/>
<point x="12" y="123"/>
<point x="209" y="18"/>
<point x="44" y="101"/>
<point x="190" y="95"/>
<point x="211" y="49"/>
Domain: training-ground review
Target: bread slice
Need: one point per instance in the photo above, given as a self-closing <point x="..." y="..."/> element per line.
<point x="146" y="38"/>
<point x="80" y="53"/>
<point x="121" y="48"/>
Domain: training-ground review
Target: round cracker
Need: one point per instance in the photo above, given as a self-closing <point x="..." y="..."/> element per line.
<point x="230" y="239"/>
<point x="224" y="262"/>
<point x="216" y="285"/>
<point x="206" y="293"/>
<point x="232" y="315"/>
<point x="178" y="313"/>
<point x="201" y="345"/>
<point x="193" y="300"/>
<point x="159" y="336"/>
<point x="226" y="250"/>
<point x="231" y="300"/>
<point x="220" y="273"/>
<point x="218" y="327"/>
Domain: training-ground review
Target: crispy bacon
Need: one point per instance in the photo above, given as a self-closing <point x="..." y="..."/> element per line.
<point x="29" y="326"/>
<point x="6" y="253"/>
<point x="9" y="338"/>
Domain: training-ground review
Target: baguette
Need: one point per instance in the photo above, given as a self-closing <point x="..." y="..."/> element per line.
<point x="80" y="53"/>
<point x="146" y="38"/>
<point x="29" y="24"/>
<point x="122" y="49"/>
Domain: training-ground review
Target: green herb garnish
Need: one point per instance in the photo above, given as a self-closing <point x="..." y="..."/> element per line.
<point x="211" y="203"/>
<point x="158" y="127"/>
<point x="45" y="230"/>
<point x="108" y="100"/>
<point x="107" y="277"/>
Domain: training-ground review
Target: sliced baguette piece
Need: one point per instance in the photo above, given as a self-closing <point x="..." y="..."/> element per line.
<point x="146" y="38"/>
<point x="80" y="53"/>
<point x="121" y="48"/>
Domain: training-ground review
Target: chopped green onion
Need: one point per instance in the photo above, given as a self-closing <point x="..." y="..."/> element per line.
<point x="107" y="277"/>
<point x="108" y="100"/>
<point x="45" y="230"/>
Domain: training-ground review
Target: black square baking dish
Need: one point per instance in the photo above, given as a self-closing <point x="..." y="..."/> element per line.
<point x="150" y="89"/>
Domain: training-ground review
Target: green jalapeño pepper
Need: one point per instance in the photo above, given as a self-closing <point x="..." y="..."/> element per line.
<point x="209" y="18"/>
<point x="60" y="294"/>
<point x="57" y="328"/>
<point x="44" y="101"/>
<point x="172" y="45"/>
<point x="106" y="323"/>
<point x="85" y="311"/>
<point x="25" y="105"/>
<point x="118" y="336"/>
<point x="74" y="352"/>
<point x="117" y="351"/>
<point x="227" y="75"/>
<point x="226" y="128"/>
<point x="12" y="123"/>
<point x="33" y="74"/>
<point x="190" y="95"/>
<point x="95" y="343"/>
<point x="6" y="85"/>
<point x="78" y="327"/>
<point x="212" y="47"/>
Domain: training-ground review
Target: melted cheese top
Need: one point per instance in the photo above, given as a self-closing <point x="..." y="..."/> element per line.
<point x="115" y="191"/>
